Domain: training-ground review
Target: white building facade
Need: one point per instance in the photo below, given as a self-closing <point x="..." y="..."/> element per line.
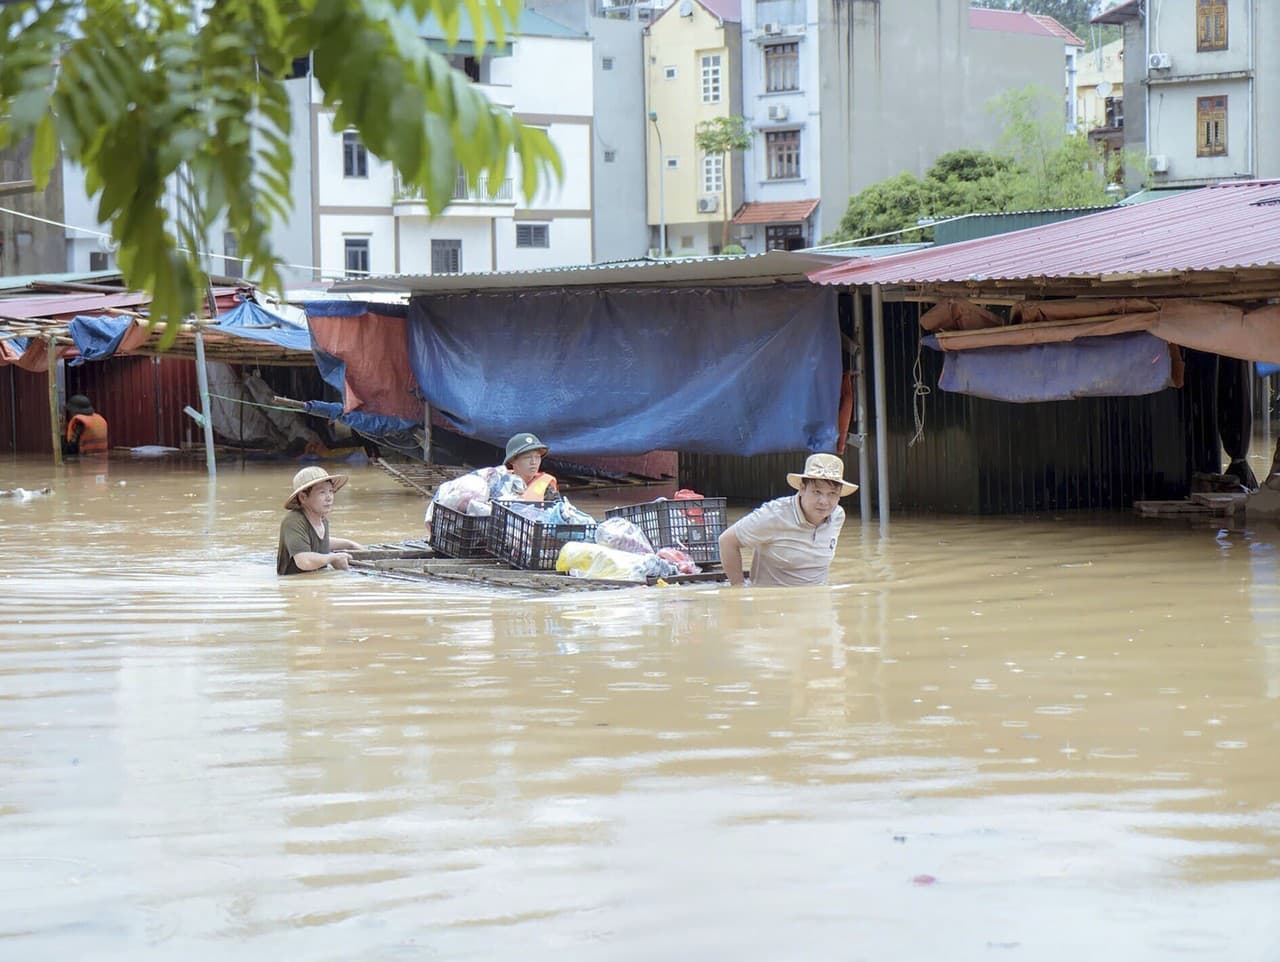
<point x="780" y="99"/>
<point x="367" y="221"/>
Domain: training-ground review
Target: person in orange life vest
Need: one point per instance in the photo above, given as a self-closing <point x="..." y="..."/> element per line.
<point x="524" y="459"/>
<point x="86" y="431"/>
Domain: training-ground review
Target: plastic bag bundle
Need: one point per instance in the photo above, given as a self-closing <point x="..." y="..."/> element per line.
<point x="460" y="492"/>
<point x="684" y="564"/>
<point x="595" y="561"/>
<point x="504" y="485"/>
<point x="480" y="509"/>
<point x="563" y="512"/>
<point x="623" y="535"/>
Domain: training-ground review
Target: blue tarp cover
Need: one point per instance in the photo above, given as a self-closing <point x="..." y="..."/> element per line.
<point x="1263" y="368"/>
<point x="353" y="309"/>
<point x="252" y="321"/>
<point x="729" y="371"/>
<point x="96" y="338"/>
<point x="1121" y="365"/>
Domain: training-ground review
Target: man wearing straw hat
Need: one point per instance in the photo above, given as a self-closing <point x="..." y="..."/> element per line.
<point x="305" y="543"/>
<point x="794" y="538"/>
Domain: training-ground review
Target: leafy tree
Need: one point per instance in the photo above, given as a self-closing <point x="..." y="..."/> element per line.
<point x="723" y="135"/>
<point x="144" y="93"/>
<point x="1039" y="167"/>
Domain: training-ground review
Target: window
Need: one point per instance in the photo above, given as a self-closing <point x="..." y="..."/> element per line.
<point x="606" y="63"/>
<point x="1211" y="126"/>
<point x="784" y="237"/>
<point x="686" y="242"/>
<point x="232" y="266"/>
<point x="782" y="149"/>
<point x="610" y="156"/>
<point x="446" y="257"/>
<point x="301" y="67"/>
<point x="668" y="73"/>
<point x="1114" y="107"/>
<point x="713" y="173"/>
<point x="782" y="67"/>
<point x="533" y="235"/>
<point x="98" y="260"/>
<point x="357" y="256"/>
<point x="711" y="78"/>
<point x="355" y="159"/>
<point x="1211" y="25"/>
<point x="673" y="163"/>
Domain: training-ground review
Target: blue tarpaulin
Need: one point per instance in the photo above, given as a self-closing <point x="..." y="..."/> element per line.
<point x="1122" y="365"/>
<point x="97" y="338"/>
<point x="744" y="370"/>
<point x="1264" y="369"/>
<point x="252" y="321"/>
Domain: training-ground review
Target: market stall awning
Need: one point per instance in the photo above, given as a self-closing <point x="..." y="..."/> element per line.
<point x="1221" y="241"/>
<point x="776" y="212"/>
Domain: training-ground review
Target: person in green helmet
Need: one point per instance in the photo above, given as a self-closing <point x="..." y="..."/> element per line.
<point x="524" y="459"/>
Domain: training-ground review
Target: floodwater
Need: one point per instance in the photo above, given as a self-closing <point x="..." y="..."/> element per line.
<point x="1041" y="739"/>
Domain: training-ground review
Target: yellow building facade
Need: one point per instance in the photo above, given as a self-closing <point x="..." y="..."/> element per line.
<point x="692" y="59"/>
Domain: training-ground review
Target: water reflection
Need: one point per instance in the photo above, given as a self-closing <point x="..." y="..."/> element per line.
<point x="1046" y="716"/>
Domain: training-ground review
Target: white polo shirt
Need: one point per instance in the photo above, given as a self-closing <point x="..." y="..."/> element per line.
<point x="788" y="549"/>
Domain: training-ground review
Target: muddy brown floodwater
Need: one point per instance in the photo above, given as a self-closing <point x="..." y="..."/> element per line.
<point x="1046" y="739"/>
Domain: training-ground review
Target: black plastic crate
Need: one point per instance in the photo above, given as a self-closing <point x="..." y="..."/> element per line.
<point x="531" y="544"/>
<point x="458" y="535"/>
<point x="693" y="525"/>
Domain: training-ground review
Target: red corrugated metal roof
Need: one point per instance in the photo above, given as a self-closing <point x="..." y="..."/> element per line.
<point x="1225" y="227"/>
<point x="1119" y="13"/>
<point x="68" y="305"/>
<point x="1015" y="21"/>
<point x="1054" y="27"/>
<point x="776" y="212"/>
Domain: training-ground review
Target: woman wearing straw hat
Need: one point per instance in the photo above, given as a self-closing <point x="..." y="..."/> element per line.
<point x="794" y="538"/>
<point x="305" y="543"/>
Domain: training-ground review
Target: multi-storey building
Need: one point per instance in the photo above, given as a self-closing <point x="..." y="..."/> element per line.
<point x="1100" y="95"/>
<point x="367" y="220"/>
<point x="1200" y="79"/>
<point x="692" y="52"/>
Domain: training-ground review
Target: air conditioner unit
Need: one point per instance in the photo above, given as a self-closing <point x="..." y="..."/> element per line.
<point x="708" y="205"/>
<point x="1159" y="61"/>
<point x="778" y="112"/>
<point x="1158" y="163"/>
<point x="772" y="28"/>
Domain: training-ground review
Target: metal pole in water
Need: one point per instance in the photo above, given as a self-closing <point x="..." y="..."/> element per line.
<point x="202" y="377"/>
<point x="52" y="346"/>
<point x="882" y="413"/>
<point x="860" y="372"/>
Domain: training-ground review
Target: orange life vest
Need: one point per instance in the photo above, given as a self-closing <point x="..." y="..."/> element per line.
<point x="536" y="490"/>
<point x="93" y="433"/>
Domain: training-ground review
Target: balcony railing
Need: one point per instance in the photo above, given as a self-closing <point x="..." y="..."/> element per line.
<point x="461" y="191"/>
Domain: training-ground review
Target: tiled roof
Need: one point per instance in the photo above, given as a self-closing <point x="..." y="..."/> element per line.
<point x="1015" y="21"/>
<point x="776" y="212"/>
<point x="1232" y="226"/>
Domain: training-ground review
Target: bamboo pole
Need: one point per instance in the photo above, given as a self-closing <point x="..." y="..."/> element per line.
<point x="54" y="423"/>
<point x="426" y="432"/>
<point x="202" y="376"/>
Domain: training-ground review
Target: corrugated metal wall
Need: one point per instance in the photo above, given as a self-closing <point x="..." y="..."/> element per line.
<point x="987" y="225"/>
<point x="988" y="457"/>
<point x="141" y="397"/>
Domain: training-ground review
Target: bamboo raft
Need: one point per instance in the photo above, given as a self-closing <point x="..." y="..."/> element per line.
<point x="415" y="561"/>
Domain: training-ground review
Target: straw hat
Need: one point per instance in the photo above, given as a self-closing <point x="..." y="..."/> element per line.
<point x="308" y="478"/>
<point x="521" y="443"/>
<point x="823" y="467"/>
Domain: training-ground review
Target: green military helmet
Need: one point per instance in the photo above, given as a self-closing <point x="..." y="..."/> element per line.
<point x="521" y="443"/>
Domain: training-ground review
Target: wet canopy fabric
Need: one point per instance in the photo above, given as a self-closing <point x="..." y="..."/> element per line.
<point x="97" y="338"/>
<point x="360" y="349"/>
<point x="745" y="370"/>
<point x="1122" y="365"/>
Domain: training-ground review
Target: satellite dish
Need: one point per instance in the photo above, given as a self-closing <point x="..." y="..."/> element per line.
<point x="1104" y="89"/>
<point x="686" y="8"/>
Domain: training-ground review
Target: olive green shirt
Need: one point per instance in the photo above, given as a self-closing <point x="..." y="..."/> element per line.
<point x="297" y="536"/>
